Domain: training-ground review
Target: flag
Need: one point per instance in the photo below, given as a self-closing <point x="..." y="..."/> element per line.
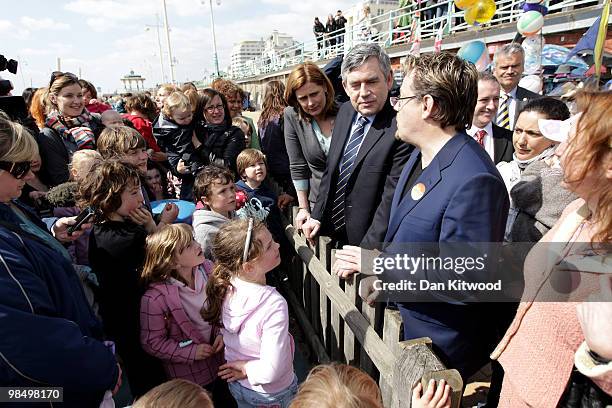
<point x="594" y="36"/>
<point x="601" y="37"/>
<point x="438" y="40"/>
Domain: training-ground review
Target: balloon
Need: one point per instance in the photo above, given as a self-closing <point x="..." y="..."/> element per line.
<point x="186" y="209"/>
<point x="477" y="53"/>
<point x="480" y="13"/>
<point x="464" y="4"/>
<point x="530" y="23"/>
<point x="535" y="7"/>
<point x="533" y="54"/>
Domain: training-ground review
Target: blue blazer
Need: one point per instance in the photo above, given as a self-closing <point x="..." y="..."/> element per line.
<point x="465" y="200"/>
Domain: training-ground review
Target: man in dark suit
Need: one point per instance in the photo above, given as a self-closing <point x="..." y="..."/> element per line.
<point x="364" y="160"/>
<point x="497" y="141"/>
<point x="449" y="192"/>
<point x="508" y="67"/>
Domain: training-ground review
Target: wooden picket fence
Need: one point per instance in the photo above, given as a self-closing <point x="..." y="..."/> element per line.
<point x="340" y="327"/>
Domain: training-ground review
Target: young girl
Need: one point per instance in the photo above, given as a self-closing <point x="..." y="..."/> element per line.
<point x="171" y="326"/>
<point x="116" y="254"/>
<point x="255" y="320"/>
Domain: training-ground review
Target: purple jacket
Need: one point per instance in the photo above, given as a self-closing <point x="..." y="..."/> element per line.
<point x="165" y="331"/>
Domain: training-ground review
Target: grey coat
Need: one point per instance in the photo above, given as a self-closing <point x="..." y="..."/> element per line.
<point x="307" y="159"/>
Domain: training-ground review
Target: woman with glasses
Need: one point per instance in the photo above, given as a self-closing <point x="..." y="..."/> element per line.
<point x="309" y="122"/>
<point x="216" y="140"/>
<point x="49" y="332"/>
<point x="68" y="127"/>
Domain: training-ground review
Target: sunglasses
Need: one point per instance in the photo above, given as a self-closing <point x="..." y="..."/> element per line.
<point x="16" y="169"/>
<point x="57" y="74"/>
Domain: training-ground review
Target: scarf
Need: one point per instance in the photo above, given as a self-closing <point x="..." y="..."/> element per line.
<point x="524" y="163"/>
<point x="76" y="129"/>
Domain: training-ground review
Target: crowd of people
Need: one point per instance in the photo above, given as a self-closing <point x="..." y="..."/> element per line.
<point x="98" y="291"/>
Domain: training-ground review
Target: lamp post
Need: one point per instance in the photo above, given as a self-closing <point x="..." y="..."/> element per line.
<point x="214" y="38"/>
<point x="168" y="41"/>
<point x="161" y="53"/>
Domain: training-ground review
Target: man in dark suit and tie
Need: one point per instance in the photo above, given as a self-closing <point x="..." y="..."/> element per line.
<point x="449" y="192"/>
<point x="508" y="67"/>
<point x="497" y="141"/>
<point x="364" y="160"/>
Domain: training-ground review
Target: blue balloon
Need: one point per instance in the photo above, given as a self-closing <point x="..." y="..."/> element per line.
<point x="472" y="51"/>
<point x="535" y="7"/>
<point x="186" y="209"/>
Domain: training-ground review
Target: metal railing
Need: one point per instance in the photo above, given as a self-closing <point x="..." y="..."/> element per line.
<point x="385" y="30"/>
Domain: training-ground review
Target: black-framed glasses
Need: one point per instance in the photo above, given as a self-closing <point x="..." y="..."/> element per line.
<point x="396" y="101"/>
<point x="211" y="109"/>
<point x="17" y="169"/>
<point x="247" y="241"/>
<point x="58" y="74"/>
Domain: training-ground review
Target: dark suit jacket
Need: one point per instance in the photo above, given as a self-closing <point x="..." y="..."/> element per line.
<point x="502" y="144"/>
<point x="465" y="200"/>
<point x="372" y="182"/>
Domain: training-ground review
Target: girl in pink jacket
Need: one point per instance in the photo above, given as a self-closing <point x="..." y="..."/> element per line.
<point x="255" y="319"/>
<point x="171" y="325"/>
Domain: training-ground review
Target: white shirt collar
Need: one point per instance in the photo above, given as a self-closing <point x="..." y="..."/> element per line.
<point x="488" y="128"/>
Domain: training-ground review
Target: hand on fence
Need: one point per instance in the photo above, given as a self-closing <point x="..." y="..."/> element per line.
<point x="311" y="228"/>
<point x="367" y="291"/>
<point x="434" y="397"/>
<point x="284" y="200"/>
<point x="302" y="216"/>
<point x="348" y="261"/>
<point x="218" y="344"/>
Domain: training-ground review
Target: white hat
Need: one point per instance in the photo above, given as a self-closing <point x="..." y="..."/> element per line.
<point x="557" y="130"/>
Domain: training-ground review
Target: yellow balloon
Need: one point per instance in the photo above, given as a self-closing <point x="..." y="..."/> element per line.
<point x="464" y="4"/>
<point x="480" y="13"/>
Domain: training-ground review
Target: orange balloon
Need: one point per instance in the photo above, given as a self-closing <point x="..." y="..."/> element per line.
<point x="464" y="4"/>
<point x="480" y="13"/>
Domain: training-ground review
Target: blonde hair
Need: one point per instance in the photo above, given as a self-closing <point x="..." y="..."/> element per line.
<point x="60" y="82"/>
<point x="228" y="249"/>
<point x="82" y="163"/>
<point x="337" y="386"/>
<point x="159" y="263"/>
<point x="118" y="141"/>
<point x="16" y="143"/>
<point x="177" y="393"/>
<point x="176" y="101"/>
<point x="240" y="122"/>
<point x="169" y="88"/>
<point x="249" y="157"/>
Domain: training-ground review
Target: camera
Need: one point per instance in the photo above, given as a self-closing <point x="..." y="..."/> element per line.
<point x="9" y="65"/>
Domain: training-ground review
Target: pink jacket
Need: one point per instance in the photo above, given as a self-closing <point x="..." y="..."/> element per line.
<point x="537" y="351"/>
<point x="256" y="328"/>
<point x="165" y="332"/>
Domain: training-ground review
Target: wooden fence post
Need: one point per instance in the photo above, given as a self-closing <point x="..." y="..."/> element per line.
<point x="392" y="329"/>
<point x="325" y="258"/>
<point x="417" y="362"/>
<point x="337" y="342"/>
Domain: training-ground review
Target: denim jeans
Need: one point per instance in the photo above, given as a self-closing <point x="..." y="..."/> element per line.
<point x="247" y="398"/>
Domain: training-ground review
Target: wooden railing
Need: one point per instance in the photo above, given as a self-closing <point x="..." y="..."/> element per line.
<point x="340" y="327"/>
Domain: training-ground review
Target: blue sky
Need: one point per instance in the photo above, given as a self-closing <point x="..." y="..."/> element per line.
<point x="106" y="39"/>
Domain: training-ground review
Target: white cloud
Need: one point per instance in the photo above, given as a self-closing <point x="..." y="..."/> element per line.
<point x="44" y="23"/>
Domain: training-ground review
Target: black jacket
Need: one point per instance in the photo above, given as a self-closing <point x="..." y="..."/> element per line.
<point x="318" y="29"/>
<point x="175" y="140"/>
<point x="273" y="146"/>
<point x="372" y="182"/>
<point x="220" y="144"/>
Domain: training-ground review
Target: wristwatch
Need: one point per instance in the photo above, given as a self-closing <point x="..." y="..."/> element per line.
<point x="590" y="363"/>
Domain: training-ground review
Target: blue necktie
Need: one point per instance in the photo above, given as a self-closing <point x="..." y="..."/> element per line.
<point x="346" y="168"/>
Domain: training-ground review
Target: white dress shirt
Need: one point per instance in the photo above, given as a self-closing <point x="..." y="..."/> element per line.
<point x="488" y="139"/>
